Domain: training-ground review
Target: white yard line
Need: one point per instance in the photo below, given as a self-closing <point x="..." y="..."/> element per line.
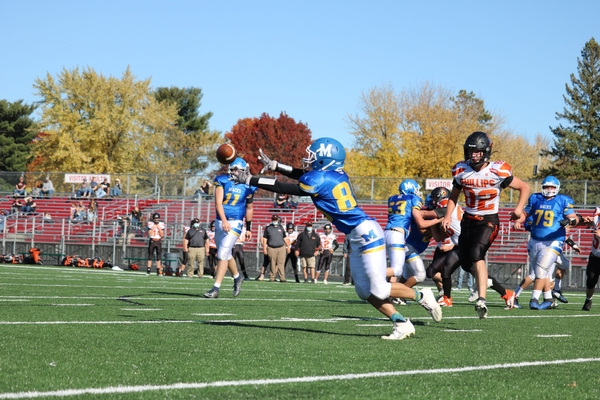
<point x="283" y="381"/>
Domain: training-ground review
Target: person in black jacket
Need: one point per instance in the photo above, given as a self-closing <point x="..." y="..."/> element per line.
<point x="307" y="248"/>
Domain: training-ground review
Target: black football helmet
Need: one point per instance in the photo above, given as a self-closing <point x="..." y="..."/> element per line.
<point x="327" y="227"/>
<point x="155" y="216"/>
<point x="440" y="196"/>
<point x="476" y="142"/>
<point x="289" y="226"/>
<point x="212" y="224"/>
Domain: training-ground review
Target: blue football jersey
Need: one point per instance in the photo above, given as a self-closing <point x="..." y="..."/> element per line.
<point x="417" y="239"/>
<point x="234" y="197"/>
<point x="332" y="195"/>
<point x="544" y="216"/>
<point x="400" y="208"/>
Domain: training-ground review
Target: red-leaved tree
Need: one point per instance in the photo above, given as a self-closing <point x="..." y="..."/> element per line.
<point x="282" y="139"/>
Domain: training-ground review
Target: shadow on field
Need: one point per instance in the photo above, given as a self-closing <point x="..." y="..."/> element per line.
<point x="414" y="322"/>
<point x="177" y="294"/>
<point x="271" y="327"/>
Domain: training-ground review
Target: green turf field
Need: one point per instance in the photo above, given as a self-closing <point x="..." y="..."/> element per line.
<point x="83" y="333"/>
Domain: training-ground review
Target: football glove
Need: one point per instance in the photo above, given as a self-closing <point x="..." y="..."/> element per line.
<point x="268" y="164"/>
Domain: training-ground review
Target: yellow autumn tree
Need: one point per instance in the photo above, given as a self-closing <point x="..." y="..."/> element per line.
<point x="93" y="123"/>
<point x="419" y="133"/>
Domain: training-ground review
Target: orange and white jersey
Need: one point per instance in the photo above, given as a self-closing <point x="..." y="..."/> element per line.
<point x="596" y="239"/>
<point x="481" y="188"/>
<point x="327" y="241"/>
<point x="154" y="229"/>
<point x="453" y="232"/>
<point x="211" y="238"/>
<point x="292" y="236"/>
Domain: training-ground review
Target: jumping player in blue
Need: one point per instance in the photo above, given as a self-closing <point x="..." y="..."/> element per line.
<point x="329" y="188"/>
<point x="233" y="202"/>
<point x="548" y="214"/>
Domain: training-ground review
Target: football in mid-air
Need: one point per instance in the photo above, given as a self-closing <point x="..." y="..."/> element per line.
<point x="226" y="153"/>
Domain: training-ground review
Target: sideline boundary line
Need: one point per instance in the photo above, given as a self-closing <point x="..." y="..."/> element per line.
<point x="305" y="379"/>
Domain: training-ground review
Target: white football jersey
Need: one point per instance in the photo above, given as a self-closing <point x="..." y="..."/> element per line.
<point x="154" y="229"/>
<point x="596" y="240"/>
<point x="327" y="241"/>
<point x="453" y="232"/>
<point x="211" y="237"/>
<point x="481" y="188"/>
<point x="292" y="236"/>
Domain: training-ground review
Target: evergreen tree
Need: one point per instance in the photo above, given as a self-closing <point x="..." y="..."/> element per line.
<point x="16" y="134"/>
<point x="576" y="147"/>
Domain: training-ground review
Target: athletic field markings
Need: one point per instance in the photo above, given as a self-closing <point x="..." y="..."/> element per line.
<point x="552" y="336"/>
<point x="283" y="381"/>
<point x="281" y="320"/>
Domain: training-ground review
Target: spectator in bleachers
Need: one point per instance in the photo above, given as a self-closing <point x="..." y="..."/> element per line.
<point x="281" y="201"/>
<point x="100" y="192"/>
<point x="116" y="190"/>
<point x="105" y="185"/>
<point x="16" y="205"/>
<point x="29" y="206"/>
<point x="84" y="190"/>
<point x="47" y="188"/>
<point x="36" y="192"/>
<point x="293" y="203"/>
<point x="20" y="187"/>
<point x="92" y="211"/>
<point x="47" y="218"/>
<point x="136" y="216"/>
<point x="93" y="184"/>
<point x="2" y="220"/>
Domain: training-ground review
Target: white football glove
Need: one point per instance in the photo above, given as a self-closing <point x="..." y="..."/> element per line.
<point x="269" y="165"/>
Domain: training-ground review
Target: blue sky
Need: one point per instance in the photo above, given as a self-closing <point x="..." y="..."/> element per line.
<point x="310" y="59"/>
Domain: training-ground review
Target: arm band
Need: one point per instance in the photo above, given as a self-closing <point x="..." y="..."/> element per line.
<point x="570" y="242"/>
<point x="248" y="225"/>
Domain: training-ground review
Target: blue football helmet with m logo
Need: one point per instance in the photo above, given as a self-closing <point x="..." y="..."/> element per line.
<point x="324" y="154"/>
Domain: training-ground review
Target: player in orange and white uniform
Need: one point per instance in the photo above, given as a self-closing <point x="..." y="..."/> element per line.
<point x="329" y="244"/>
<point x="212" y="248"/>
<point x="292" y="235"/>
<point x="481" y="181"/>
<point x="593" y="267"/>
<point x="156" y="232"/>
<point x="446" y="258"/>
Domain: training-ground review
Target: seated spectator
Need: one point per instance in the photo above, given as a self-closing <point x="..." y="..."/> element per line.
<point x="281" y="200"/>
<point x="116" y="190"/>
<point x="20" y="187"/>
<point x="73" y="212"/>
<point x="80" y="212"/>
<point x="293" y="202"/>
<point x="92" y="211"/>
<point x="136" y="216"/>
<point x="3" y="215"/>
<point x="100" y="193"/>
<point x="93" y="184"/>
<point x="47" y="218"/>
<point x="16" y="205"/>
<point x="47" y="188"/>
<point x="29" y="206"/>
<point x="36" y="192"/>
<point x="206" y="188"/>
<point x="84" y="190"/>
<point x="105" y="185"/>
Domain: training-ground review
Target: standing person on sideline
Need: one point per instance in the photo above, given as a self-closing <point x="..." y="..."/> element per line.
<point x="292" y="235"/>
<point x="212" y="248"/>
<point x="481" y="180"/>
<point x="307" y="248"/>
<point x="329" y="245"/>
<point x="346" y="250"/>
<point x="156" y="233"/>
<point x="329" y="188"/>
<point x="233" y="202"/>
<point x="275" y="246"/>
<point x="196" y="243"/>
<point x="238" y="253"/>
